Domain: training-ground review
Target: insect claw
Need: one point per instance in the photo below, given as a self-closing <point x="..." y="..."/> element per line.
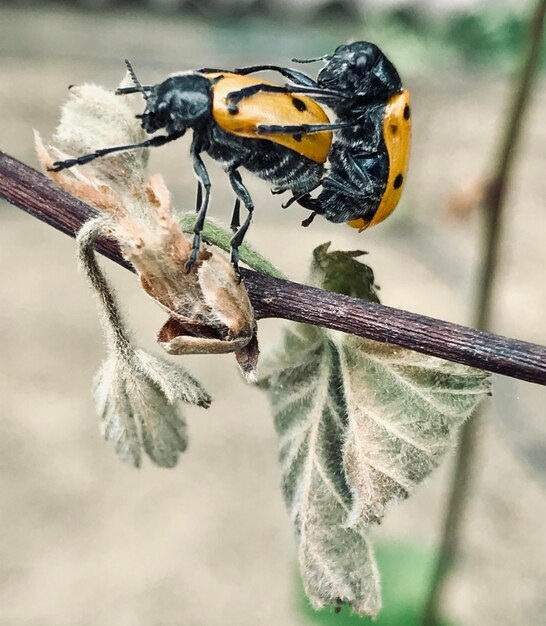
<point x="60" y="165"/>
<point x="307" y="221"/>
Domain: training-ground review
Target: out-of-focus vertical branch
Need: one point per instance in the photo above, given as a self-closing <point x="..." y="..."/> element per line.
<point x="493" y="206"/>
<point x="496" y="195"/>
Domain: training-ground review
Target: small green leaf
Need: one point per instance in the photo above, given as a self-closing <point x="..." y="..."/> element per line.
<point x="340" y="272"/>
<point x="360" y="424"/>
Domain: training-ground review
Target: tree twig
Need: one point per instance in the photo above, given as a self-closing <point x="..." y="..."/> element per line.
<point x="494" y="203"/>
<point x="272" y="297"/>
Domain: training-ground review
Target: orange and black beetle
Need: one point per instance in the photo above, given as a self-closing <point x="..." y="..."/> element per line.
<point x="197" y="100"/>
<point x="370" y="152"/>
<point x="284" y="137"/>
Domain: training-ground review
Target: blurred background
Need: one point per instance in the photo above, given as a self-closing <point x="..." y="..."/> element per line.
<point x="85" y="540"/>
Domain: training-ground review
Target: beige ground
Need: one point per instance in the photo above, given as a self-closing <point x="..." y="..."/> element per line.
<point x="85" y="540"/>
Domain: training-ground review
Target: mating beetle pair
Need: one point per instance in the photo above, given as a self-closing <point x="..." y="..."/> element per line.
<point x="282" y="134"/>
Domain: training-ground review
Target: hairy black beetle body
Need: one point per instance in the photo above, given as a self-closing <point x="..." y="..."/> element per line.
<point x="196" y="100"/>
<point x="370" y="151"/>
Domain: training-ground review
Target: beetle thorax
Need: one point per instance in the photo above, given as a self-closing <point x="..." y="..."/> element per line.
<point x="360" y="70"/>
<point x="180" y="102"/>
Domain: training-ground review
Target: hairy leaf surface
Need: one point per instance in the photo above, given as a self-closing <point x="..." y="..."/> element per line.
<point x="360" y="424"/>
<point x="137" y="396"/>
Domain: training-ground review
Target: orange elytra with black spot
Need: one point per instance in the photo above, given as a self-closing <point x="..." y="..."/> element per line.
<point x="270" y="109"/>
<point x="397" y="138"/>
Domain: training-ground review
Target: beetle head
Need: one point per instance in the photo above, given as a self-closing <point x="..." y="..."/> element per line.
<point x="360" y="69"/>
<point x="180" y="102"/>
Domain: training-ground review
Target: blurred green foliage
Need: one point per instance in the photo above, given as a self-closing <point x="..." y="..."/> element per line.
<point x="487" y="38"/>
<point x="416" y="41"/>
<point x="405" y="572"/>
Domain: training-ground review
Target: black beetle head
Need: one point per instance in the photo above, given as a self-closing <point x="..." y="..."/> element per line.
<point x="360" y="69"/>
<point x="180" y="102"/>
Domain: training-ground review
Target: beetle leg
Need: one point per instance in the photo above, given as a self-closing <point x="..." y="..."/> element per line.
<point x="359" y="170"/>
<point x="236" y="216"/>
<point x="234" y="97"/>
<point x="198" y="197"/>
<point x="204" y="182"/>
<point x="298" y="197"/>
<point x="362" y="174"/>
<point x="313" y="204"/>
<point x="304" y="129"/>
<point x="334" y="183"/>
<point x="243" y="194"/>
<point x="160" y="140"/>
<point x="318" y="91"/>
<point x="297" y="77"/>
<point x="308" y="220"/>
<point x="345" y="194"/>
<point x="293" y="199"/>
<point x="121" y="91"/>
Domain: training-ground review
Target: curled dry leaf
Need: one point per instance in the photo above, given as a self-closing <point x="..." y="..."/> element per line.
<point x="136" y="393"/>
<point x="209" y="310"/>
<point x="360" y="424"/>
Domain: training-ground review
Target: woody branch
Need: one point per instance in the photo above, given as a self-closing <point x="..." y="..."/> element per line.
<point x="271" y="297"/>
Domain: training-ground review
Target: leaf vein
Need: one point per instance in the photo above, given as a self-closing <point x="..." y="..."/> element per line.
<point x="418" y="391"/>
<point x="307" y="476"/>
<point x="336" y="582"/>
<point x="330" y="485"/>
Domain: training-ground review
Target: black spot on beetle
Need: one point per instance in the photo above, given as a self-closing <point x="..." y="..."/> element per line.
<point x="398" y="181"/>
<point x="407" y="112"/>
<point x="299" y="104"/>
<point x="298" y="137"/>
<point x="394" y="128"/>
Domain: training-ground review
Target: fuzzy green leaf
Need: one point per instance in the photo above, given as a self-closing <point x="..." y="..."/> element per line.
<point x="340" y="272"/>
<point x="137" y="395"/>
<point x="360" y="424"/>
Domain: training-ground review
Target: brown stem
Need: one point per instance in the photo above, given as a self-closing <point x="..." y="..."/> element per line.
<point x="494" y="209"/>
<point x="272" y="297"/>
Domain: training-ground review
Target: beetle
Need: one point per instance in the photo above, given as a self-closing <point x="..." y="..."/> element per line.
<point x="229" y="134"/>
<point x="370" y="152"/>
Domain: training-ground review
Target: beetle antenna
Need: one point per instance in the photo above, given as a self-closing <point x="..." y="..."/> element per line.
<point x="135" y="80"/>
<point x="324" y="57"/>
